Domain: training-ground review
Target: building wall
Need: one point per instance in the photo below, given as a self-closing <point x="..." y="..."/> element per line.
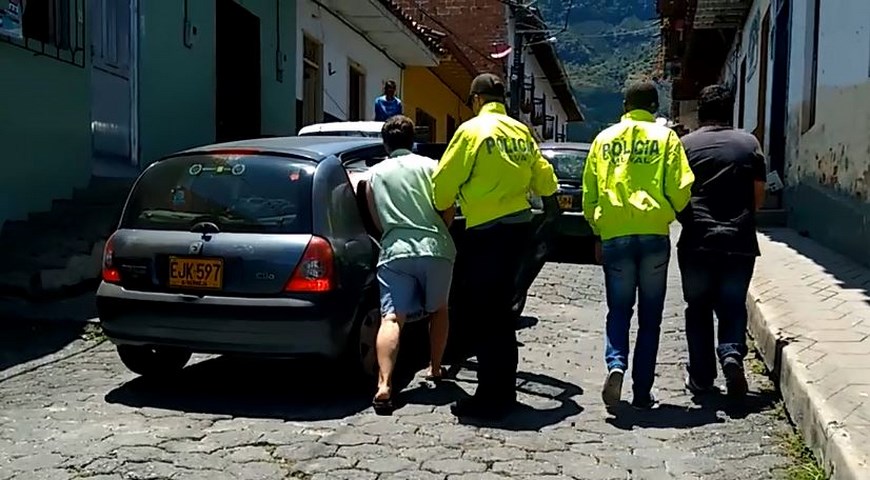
<point x="424" y="90"/>
<point x="44" y="131"/>
<point x="745" y="48"/>
<point x="177" y="83"/>
<point x="828" y="166"/>
<point x="542" y="85"/>
<point x="341" y="45"/>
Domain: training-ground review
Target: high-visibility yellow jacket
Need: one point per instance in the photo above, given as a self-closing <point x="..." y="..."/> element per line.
<point x="491" y="165"/>
<point x="636" y="178"/>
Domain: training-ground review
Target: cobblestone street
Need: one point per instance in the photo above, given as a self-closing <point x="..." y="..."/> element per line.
<point x="87" y="417"/>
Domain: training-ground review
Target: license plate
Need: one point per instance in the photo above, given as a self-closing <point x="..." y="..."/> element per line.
<point x="205" y="273"/>
<point x="566" y="202"/>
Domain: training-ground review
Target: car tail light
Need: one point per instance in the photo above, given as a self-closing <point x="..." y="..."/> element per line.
<point x="316" y="270"/>
<point x="111" y="274"/>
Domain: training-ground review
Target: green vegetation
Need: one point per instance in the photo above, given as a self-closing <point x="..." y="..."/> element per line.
<point x="606" y="44"/>
<point x="805" y="466"/>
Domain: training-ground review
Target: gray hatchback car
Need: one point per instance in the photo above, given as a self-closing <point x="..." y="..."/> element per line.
<point x="253" y="247"/>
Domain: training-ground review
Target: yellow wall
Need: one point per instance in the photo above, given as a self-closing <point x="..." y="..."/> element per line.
<point x="424" y="90"/>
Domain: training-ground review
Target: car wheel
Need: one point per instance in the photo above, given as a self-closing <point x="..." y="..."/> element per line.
<point x="153" y="361"/>
<point x="366" y="357"/>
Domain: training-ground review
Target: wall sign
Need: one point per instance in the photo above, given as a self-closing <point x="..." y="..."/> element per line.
<point x="10" y="20"/>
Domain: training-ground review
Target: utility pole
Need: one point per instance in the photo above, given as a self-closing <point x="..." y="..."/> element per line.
<point x="518" y="75"/>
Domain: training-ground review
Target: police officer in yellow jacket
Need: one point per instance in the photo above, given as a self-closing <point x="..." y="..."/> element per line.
<point x="491" y="166"/>
<point x="636" y="178"/>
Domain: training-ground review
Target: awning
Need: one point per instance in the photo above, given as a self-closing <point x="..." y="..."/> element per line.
<point x="386" y="26"/>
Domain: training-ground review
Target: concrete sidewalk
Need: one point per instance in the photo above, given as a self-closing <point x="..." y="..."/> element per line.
<point x="810" y="316"/>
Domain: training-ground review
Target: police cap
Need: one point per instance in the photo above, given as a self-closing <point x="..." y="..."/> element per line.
<point x="488" y="85"/>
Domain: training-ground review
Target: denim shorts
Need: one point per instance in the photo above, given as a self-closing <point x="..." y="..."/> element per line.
<point x="415" y="286"/>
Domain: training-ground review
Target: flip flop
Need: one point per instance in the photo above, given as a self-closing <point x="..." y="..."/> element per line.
<point x="383" y="406"/>
<point x="437" y="378"/>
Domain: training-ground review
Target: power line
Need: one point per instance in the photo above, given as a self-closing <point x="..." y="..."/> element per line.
<point x="620" y="34"/>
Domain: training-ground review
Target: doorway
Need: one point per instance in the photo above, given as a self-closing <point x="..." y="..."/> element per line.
<point x="741" y="101"/>
<point x="356" y="95"/>
<point x="761" y="118"/>
<point x="780" y="86"/>
<point x="113" y="45"/>
<point x="238" y="96"/>
<point x="312" y="81"/>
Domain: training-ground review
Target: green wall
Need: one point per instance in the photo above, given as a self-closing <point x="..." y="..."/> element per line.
<point x="177" y="83"/>
<point x="45" y="136"/>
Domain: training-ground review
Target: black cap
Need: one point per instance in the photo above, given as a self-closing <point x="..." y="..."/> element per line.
<point x="487" y="84"/>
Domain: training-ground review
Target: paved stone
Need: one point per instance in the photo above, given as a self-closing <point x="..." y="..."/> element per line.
<point x="87" y="417"/>
<point x="810" y="312"/>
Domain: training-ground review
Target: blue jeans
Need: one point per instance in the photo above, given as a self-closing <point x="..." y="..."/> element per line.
<point x="635" y="266"/>
<point x="714" y="282"/>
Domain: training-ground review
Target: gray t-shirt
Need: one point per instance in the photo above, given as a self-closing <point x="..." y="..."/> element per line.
<point x="402" y="190"/>
<point x="721" y="215"/>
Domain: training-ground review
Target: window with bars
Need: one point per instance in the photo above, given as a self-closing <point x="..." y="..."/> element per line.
<point x="54" y="28"/>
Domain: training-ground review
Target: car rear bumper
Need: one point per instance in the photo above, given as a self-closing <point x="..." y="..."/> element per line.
<point x="283" y="327"/>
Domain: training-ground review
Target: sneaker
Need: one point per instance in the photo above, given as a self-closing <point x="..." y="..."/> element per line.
<point x="644" y="402"/>
<point x="735" y="378"/>
<point x="611" y="392"/>
<point x="697" y="389"/>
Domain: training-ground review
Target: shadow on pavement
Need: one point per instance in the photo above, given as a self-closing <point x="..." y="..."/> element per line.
<point x="255" y="388"/>
<point x="528" y="417"/>
<point x="22" y="341"/>
<point x="706" y="412"/>
<point x="525" y="322"/>
<point x="850" y="274"/>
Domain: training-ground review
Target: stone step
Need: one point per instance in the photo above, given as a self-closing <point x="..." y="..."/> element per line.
<point x="61" y="249"/>
<point x="89" y="225"/>
<point x="34" y="282"/>
<point x="104" y="191"/>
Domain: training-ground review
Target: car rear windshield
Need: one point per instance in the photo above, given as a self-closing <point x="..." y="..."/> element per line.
<point x="568" y="164"/>
<point x="238" y="193"/>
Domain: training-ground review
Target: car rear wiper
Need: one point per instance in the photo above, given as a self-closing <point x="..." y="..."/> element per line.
<point x="205" y="227"/>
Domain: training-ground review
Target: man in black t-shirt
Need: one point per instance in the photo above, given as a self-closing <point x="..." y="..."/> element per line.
<point x="718" y="245"/>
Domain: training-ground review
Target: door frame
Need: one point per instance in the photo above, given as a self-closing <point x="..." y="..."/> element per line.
<point x="134" y="83"/>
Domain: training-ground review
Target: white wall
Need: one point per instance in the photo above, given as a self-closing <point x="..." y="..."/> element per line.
<point x="836" y="150"/>
<point x="542" y="85"/>
<point x="754" y="84"/>
<point x="341" y="45"/>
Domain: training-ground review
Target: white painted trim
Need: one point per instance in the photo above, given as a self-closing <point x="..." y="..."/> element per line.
<point x="134" y="83"/>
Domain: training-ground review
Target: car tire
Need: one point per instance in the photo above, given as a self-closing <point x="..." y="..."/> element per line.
<point x="153" y="361"/>
<point x="362" y="355"/>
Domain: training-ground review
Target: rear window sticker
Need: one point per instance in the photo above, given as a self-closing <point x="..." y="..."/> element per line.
<point x="238" y="169"/>
<point x="195" y="169"/>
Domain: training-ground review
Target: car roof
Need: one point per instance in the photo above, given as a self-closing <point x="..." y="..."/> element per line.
<point x="315" y="148"/>
<point x="565" y="146"/>
<point x="367" y="126"/>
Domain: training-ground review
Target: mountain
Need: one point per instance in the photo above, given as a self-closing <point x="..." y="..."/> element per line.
<point x="605" y="43"/>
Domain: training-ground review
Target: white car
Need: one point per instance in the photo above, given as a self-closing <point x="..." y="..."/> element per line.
<point x="343" y="129"/>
